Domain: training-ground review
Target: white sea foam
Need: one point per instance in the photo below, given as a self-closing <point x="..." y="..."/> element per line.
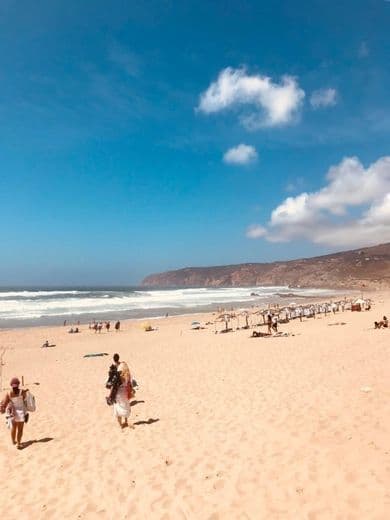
<point x="34" y="294"/>
<point x="23" y="305"/>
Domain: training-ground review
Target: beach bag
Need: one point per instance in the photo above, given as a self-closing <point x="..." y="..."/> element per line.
<point x="30" y="402"/>
<point x="9" y="421"/>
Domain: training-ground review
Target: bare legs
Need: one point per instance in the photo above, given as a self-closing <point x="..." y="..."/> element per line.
<point x="123" y="423"/>
<point x="17" y="433"/>
<point x="13" y="432"/>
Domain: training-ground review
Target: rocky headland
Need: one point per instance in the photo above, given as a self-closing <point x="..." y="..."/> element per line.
<point x="366" y="267"/>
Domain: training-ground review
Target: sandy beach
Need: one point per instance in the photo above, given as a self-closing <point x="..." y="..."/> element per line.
<point x="226" y="426"/>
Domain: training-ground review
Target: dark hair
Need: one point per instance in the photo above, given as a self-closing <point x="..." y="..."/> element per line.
<point x="116" y="358"/>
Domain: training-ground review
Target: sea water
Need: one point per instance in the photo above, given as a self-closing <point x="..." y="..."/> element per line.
<point x="47" y="306"/>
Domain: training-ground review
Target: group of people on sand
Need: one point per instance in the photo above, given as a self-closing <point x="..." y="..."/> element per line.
<point x="98" y="326"/>
<point x="16" y="408"/>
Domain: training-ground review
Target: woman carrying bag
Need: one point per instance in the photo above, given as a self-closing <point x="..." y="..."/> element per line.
<point x="17" y="403"/>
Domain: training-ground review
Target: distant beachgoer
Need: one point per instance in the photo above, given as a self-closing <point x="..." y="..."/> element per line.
<point x="14" y="406"/>
<point x="125" y="392"/>
<point x="108" y="325"/>
<point x="99" y="326"/>
<point x="275" y="324"/>
<point x="64" y="323"/>
<point x="256" y="334"/>
<point x="46" y="344"/>
<point x="269" y="322"/>
<point x="117" y="325"/>
<point x="383" y="323"/>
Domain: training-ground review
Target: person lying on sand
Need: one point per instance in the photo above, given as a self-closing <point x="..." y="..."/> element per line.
<point x="383" y="323"/>
<point x="279" y="334"/>
<point x="256" y="334"/>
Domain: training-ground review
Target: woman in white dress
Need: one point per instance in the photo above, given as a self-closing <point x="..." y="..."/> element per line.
<point x="14" y="404"/>
<point x="122" y="407"/>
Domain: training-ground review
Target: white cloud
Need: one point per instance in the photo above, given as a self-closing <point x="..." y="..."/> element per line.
<point x="256" y="231"/>
<point x="324" y="97"/>
<point x="353" y="209"/>
<point x="241" y="154"/>
<point x="274" y="104"/>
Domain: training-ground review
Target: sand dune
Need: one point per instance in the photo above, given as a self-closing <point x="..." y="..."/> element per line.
<point x="226" y="426"/>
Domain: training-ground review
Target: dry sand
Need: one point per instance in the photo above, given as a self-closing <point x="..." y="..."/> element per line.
<point x="226" y="426"/>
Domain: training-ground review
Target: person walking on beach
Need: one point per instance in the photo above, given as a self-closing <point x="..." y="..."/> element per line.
<point x="274" y="323"/>
<point x="117" y="326"/>
<point x="269" y="322"/>
<point x="124" y="394"/>
<point x="15" y="407"/>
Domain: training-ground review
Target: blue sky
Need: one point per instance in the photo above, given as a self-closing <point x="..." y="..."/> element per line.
<point x="143" y="136"/>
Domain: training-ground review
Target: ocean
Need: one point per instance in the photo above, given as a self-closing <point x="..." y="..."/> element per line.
<point x="51" y="306"/>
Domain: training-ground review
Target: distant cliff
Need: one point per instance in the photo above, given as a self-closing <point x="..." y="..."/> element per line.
<point x="350" y="269"/>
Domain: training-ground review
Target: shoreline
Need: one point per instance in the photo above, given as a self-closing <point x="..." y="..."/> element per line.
<point x="78" y="320"/>
<point x="280" y="299"/>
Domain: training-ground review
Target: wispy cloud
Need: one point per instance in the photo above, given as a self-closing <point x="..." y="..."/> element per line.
<point x="273" y="104"/>
<point x="296" y="184"/>
<point x="125" y="59"/>
<point x="256" y="231"/>
<point x="241" y="154"/>
<point x="352" y="209"/>
<point x="325" y="97"/>
<point x="363" y="50"/>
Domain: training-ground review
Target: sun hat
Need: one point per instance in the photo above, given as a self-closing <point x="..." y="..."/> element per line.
<point x="14" y="382"/>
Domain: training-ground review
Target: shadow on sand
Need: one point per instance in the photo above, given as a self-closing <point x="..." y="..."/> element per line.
<point x="149" y="421"/>
<point x="26" y="444"/>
